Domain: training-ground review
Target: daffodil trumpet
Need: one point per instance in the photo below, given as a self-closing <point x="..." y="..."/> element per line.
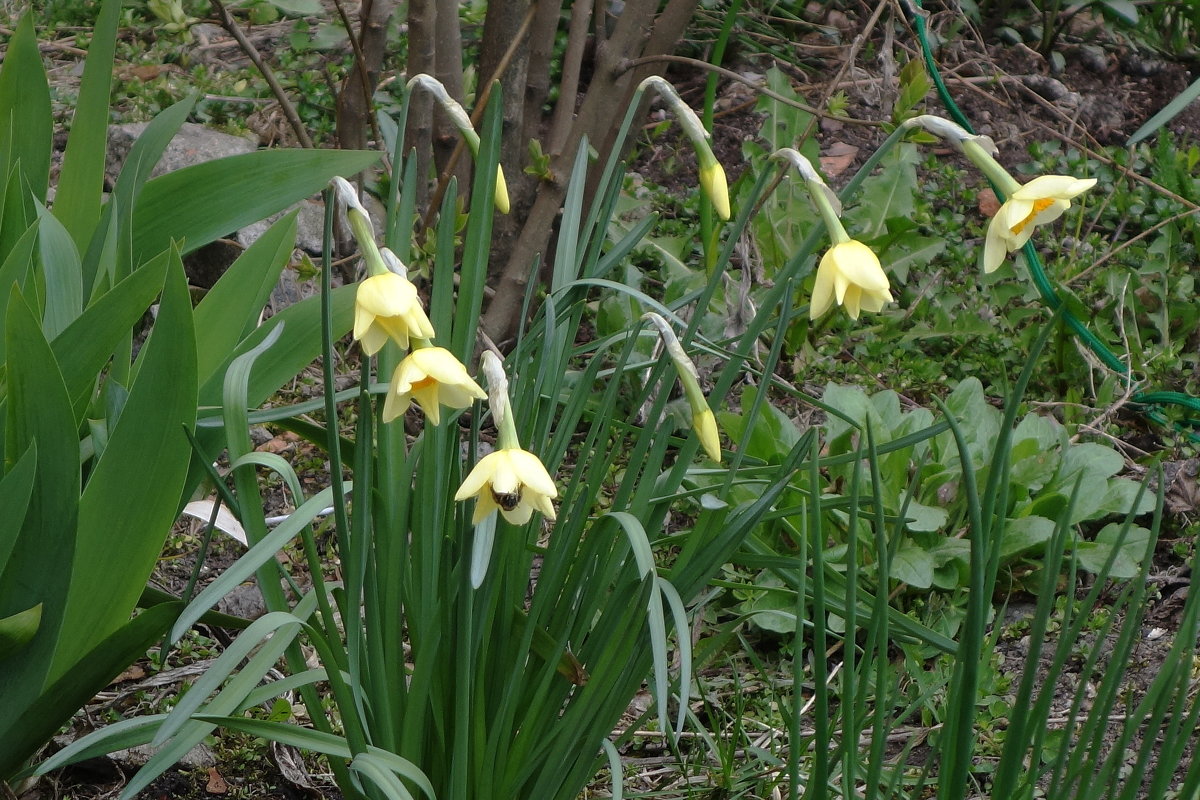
<point x="461" y="120"/>
<point x="1025" y="206"/>
<point x="712" y="174"/>
<point x="849" y="273"/>
<point x="704" y="423"/>
<point x="510" y="480"/>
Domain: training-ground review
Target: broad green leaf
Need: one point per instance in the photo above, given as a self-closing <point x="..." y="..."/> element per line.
<point x="39" y="569"/>
<point x="15" y="269"/>
<point x="1129" y="556"/>
<point x="298" y="8"/>
<point x="198" y="204"/>
<point x="1025" y="534"/>
<point x="230" y="309"/>
<point x="885" y="195"/>
<point x="81" y="182"/>
<point x="134" y="488"/>
<point x="111" y="247"/>
<point x="61" y="272"/>
<point x="774" y="432"/>
<point x="19" y="212"/>
<point x="913" y="565"/>
<point x="26" y="126"/>
<point x="924" y="518"/>
<point x="17" y="629"/>
<point x="15" y="489"/>
<point x="22" y="735"/>
<point x="1126" y="10"/>
<point x="85" y="347"/>
<point x="1120" y="497"/>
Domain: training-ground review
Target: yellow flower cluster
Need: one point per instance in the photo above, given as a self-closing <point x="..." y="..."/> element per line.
<point x="387" y="307"/>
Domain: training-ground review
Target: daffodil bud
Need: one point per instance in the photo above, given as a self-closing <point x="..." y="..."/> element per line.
<point x="712" y="175"/>
<point x="461" y="120"/>
<point x="703" y="421"/>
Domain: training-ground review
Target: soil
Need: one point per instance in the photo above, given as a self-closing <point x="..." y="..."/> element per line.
<point x="1103" y="93"/>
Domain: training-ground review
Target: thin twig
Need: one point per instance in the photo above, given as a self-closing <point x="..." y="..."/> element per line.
<point x="252" y="53"/>
<point x="758" y="87"/>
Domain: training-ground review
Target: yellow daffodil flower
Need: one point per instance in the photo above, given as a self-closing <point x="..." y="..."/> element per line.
<point x="851" y="275"/>
<point x="1042" y="200"/>
<point x="512" y="481"/>
<point x="434" y="378"/>
<point x="387" y="307"/>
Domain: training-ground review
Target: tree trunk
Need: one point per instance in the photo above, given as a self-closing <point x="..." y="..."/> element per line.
<point x="611" y="88"/>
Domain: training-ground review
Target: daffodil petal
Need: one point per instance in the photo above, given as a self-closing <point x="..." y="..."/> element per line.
<point x="532" y="472"/>
<point x="480" y="476"/>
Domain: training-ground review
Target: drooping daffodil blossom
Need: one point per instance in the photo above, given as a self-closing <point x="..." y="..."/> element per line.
<point x="434" y="378"/>
<point x="510" y="480"/>
<point x="386" y="306"/>
<point x="712" y="174"/>
<point x="458" y="115"/>
<point x="1042" y="200"/>
<point x="703" y="421"/>
<point x="849" y="274"/>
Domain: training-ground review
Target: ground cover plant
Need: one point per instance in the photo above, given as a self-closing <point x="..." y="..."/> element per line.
<point x="499" y="579"/>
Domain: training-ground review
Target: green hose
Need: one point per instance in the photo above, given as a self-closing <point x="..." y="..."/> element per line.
<point x="1149" y="404"/>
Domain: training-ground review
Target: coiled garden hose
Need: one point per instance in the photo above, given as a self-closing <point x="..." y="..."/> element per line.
<point x="1149" y="404"/>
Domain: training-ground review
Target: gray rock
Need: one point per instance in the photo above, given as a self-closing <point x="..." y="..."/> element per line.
<point x="193" y="144"/>
<point x="134" y="757"/>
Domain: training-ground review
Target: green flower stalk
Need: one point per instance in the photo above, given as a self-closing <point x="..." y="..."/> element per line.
<point x="510" y="480"/>
<point x="462" y="121"/>
<point x="703" y="421"/>
<point x="849" y="273"/>
<point x="712" y="175"/>
<point x="1041" y="201"/>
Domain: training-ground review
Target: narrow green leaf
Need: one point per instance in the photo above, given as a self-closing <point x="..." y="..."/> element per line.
<point x="26" y="126"/>
<point x="296" y="349"/>
<point x="1168" y="113"/>
<point x="81" y="182"/>
<point x="135" y="486"/>
<point x="207" y="201"/>
<point x="15" y="489"/>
